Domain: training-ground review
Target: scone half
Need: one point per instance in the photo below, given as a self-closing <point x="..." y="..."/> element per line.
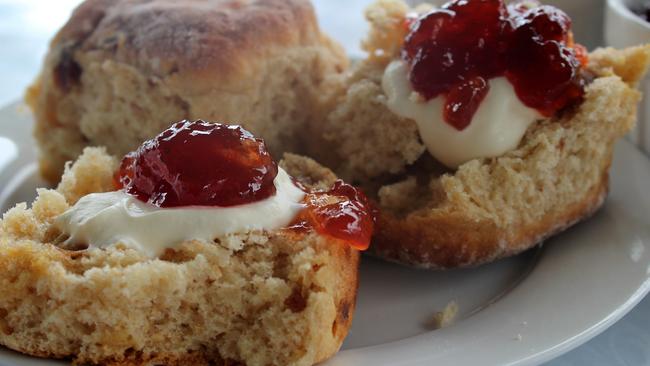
<point x="261" y="298"/>
<point x="433" y="217"/>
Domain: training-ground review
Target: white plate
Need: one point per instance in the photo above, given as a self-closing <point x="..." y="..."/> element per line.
<point x="520" y="311"/>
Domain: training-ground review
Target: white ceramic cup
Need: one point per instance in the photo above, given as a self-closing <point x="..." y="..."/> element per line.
<point x="624" y="28"/>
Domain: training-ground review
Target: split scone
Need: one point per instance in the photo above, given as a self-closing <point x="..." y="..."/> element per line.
<point x="480" y="129"/>
<point x="108" y="279"/>
<point x="121" y="71"/>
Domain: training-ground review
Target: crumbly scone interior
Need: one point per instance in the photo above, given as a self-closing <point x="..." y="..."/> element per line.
<point x="559" y="160"/>
<point x="256" y="299"/>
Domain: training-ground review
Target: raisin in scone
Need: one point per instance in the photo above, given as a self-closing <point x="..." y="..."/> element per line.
<point x="423" y="132"/>
<point x="255" y="296"/>
<point x="121" y="71"/>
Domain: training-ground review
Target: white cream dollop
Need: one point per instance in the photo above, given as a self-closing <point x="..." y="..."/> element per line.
<point x="105" y="219"/>
<point x="497" y="127"/>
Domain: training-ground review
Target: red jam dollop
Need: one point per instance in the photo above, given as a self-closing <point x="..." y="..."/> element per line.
<point x="211" y="164"/>
<point x="200" y="164"/>
<point x="343" y="213"/>
<point x="453" y="51"/>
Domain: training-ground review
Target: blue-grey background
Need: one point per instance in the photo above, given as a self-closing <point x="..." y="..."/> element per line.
<point x="27" y="25"/>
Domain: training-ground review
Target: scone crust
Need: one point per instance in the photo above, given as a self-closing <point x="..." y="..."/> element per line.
<point x="117" y="307"/>
<point x="201" y="43"/>
<point x="457" y="241"/>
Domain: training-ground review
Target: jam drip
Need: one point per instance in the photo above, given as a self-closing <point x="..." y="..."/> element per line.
<point x="453" y="51"/>
<point x="343" y="213"/>
<point x="199" y="164"/>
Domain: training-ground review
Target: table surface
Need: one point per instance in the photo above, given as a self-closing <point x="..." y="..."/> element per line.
<point x="27" y="25"/>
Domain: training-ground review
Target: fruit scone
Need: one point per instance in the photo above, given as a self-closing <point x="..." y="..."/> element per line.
<point x="479" y="128"/>
<point x="121" y="71"/>
<point x="196" y="249"/>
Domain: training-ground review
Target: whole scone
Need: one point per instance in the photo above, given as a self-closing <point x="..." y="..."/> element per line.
<point x="435" y="217"/>
<point x="262" y="298"/>
<point x="121" y="71"/>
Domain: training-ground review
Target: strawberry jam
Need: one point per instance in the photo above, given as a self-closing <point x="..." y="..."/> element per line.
<point x="343" y="213"/>
<point x="200" y="164"/>
<point x="208" y="164"/>
<point x="453" y="51"/>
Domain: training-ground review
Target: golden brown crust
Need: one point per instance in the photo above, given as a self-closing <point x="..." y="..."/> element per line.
<point x="267" y="298"/>
<point x="199" y="42"/>
<point x="453" y="242"/>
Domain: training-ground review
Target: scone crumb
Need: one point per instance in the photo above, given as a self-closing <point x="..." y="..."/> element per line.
<point x="446" y="317"/>
<point x="387" y="28"/>
<point x="19" y="222"/>
<point x="91" y="173"/>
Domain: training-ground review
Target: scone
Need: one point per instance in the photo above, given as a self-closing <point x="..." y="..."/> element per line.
<point x="256" y="296"/>
<point x="121" y="71"/>
<point x="442" y="207"/>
